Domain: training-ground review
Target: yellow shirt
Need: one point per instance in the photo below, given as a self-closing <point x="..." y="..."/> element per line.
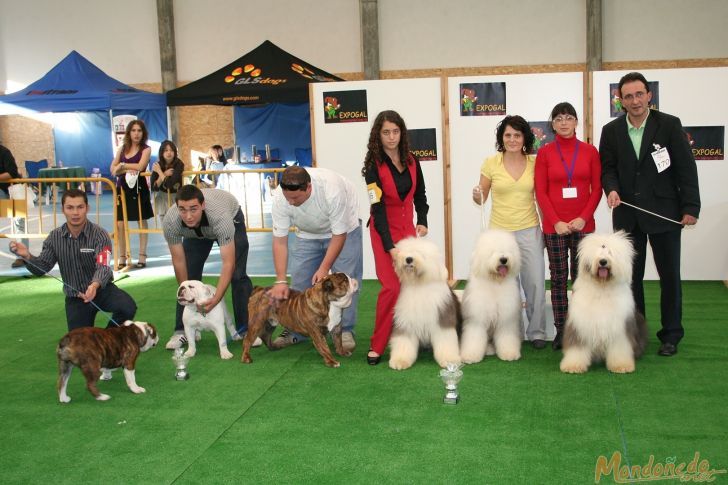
<point x="514" y="203"/>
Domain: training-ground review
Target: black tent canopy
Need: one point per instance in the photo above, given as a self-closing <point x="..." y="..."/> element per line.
<point x="267" y="74"/>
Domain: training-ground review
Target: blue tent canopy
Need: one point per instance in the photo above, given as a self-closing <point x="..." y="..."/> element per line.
<point x="75" y="84"/>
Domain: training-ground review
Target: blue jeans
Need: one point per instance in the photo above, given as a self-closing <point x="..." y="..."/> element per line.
<point x="18" y="222"/>
<point x="306" y="257"/>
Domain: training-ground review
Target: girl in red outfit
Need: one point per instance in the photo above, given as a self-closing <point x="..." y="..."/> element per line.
<point x="396" y="190"/>
<point x="568" y="190"/>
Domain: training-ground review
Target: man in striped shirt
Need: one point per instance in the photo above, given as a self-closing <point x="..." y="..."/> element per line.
<point x="81" y="249"/>
<point x="199" y="218"/>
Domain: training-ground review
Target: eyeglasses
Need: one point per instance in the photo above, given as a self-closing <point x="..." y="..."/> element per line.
<point x="637" y="95"/>
<point x="294" y="187"/>
<point x="567" y="118"/>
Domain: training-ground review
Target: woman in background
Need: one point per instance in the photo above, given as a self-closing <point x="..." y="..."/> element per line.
<point x="568" y="190"/>
<point x="215" y="161"/>
<point x="509" y="176"/>
<point x="131" y="159"/>
<point x="396" y="190"/>
<point x="166" y="177"/>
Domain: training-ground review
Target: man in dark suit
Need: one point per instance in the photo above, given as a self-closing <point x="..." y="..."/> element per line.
<point x="647" y="162"/>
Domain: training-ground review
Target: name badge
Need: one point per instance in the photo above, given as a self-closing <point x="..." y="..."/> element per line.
<point x="568" y="192"/>
<point x="662" y="159"/>
<point x="88" y="250"/>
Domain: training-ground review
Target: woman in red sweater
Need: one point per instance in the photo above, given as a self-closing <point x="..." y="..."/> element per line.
<point x="396" y="191"/>
<point x="568" y="190"/>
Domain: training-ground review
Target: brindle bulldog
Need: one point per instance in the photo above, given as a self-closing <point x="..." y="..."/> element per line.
<point x="92" y="349"/>
<point x="313" y="312"/>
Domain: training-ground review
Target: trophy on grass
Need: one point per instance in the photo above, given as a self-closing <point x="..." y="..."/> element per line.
<point x="180" y="362"/>
<point x="451" y="375"/>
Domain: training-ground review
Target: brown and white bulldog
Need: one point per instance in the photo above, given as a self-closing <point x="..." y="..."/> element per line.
<point x="92" y="349"/>
<point x="312" y="312"/>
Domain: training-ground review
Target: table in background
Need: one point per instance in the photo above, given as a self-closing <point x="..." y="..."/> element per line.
<point x="61" y="172"/>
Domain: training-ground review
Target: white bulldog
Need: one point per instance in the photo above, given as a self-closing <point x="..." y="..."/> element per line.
<point x="192" y="293"/>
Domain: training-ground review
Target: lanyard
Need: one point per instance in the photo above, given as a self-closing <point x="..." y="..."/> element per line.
<point x="569" y="171"/>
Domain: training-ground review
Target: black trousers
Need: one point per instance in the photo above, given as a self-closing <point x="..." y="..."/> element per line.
<point x="110" y="299"/>
<point x="666" y="251"/>
<point x="196" y="253"/>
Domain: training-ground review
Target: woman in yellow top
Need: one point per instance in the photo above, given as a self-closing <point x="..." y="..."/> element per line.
<point x="509" y="177"/>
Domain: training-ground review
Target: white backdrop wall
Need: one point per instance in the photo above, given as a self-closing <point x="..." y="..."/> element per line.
<point x="698" y="97"/>
<point x="472" y="140"/>
<point x="122" y="38"/>
<point x="342" y="146"/>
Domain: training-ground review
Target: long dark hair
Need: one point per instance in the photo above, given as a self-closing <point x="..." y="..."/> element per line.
<point x="162" y="162"/>
<point x="375" y="152"/>
<point x="127" y="135"/>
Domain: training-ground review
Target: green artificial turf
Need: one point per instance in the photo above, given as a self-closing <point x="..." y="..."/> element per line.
<point x="287" y="418"/>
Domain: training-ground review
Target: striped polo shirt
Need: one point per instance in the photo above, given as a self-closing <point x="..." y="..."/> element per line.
<point x="217" y="220"/>
<point x="76" y="257"/>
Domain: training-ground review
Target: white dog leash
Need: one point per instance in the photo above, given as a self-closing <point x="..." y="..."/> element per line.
<point x="27" y="261"/>
<point x="648" y="212"/>
<point x="483" y="219"/>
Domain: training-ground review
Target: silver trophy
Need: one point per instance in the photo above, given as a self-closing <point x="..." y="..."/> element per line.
<point x="451" y="375"/>
<point x="180" y="362"/>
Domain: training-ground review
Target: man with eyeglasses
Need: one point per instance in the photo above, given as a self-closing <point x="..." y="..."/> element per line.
<point x="323" y="207"/>
<point x="647" y="163"/>
<point x="199" y="218"/>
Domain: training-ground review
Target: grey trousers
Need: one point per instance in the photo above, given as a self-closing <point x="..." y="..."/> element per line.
<point x="532" y="279"/>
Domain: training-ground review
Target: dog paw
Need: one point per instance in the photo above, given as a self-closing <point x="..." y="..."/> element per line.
<point x="399" y="364"/>
<point x="573" y="368"/>
<point x="245" y="359"/>
<point x="490" y="349"/>
<point x="226" y="354"/>
<point x="334" y="364"/>
<point x="64" y="399"/>
<point x="103" y="397"/>
<point x="509" y="356"/>
<point x="621" y="368"/>
<point x="137" y="390"/>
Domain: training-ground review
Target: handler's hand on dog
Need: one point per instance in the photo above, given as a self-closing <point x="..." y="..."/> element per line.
<point x="207" y="306"/>
<point x="318" y="276"/>
<point x="278" y="292"/>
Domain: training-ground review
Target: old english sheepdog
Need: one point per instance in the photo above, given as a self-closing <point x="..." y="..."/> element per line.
<point x="427" y="311"/>
<point x="492" y="300"/>
<point x="603" y="324"/>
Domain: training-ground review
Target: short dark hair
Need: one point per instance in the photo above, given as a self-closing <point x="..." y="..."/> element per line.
<point x="295" y="178"/>
<point x="519" y="124"/>
<point x="630" y="77"/>
<point x="74" y="193"/>
<point x="189" y="192"/>
<point x="562" y="108"/>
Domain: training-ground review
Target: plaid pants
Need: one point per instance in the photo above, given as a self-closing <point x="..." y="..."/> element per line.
<point x="560" y="250"/>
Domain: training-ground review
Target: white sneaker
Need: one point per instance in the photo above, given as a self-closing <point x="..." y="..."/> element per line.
<point x="348" y="342"/>
<point x="176" y="341"/>
<point x="258" y="342"/>
<point x="105" y="374"/>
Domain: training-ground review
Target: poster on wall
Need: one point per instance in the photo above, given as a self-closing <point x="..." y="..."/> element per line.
<point x="542" y="133"/>
<point x="615" y="101"/>
<point x="707" y="142"/>
<point x="423" y="143"/>
<point x="483" y="99"/>
<point x="118" y="124"/>
<point x="345" y="106"/>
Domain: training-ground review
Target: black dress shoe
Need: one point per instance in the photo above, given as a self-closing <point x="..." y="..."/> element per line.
<point x="558" y="341"/>
<point x="538" y="344"/>
<point x="667" y="349"/>
<point x="373" y="360"/>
